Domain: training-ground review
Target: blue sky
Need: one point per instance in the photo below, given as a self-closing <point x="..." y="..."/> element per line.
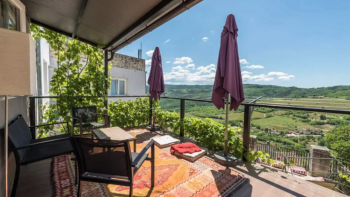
<point x="303" y="43"/>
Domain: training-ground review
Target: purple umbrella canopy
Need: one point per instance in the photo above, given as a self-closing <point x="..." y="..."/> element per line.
<point x="156" y="79"/>
<point x="228" y="78"/>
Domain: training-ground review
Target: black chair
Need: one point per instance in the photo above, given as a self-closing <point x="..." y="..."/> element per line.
<point x="110" y="162"/>
<point x="86" y="118"/>
<point x="28" y="149"/>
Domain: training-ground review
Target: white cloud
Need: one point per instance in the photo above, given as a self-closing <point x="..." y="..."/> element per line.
<point x="177" y="68"/>
<point x="207" y="69"/>
<point x="246" y="73"/>
<point x="246" y="76"/>
<point x="148" y="62"/>
<point x="183" y="60"/>
<point x="277" y="74"/>
<point x="190" y="66"/>
<point x="281" y="75"/>
<point x="168" y="62"/>
<point x="183" y="75"/>
<point x="255" y="67"/>
<point x="243" y="61"/>
<point x="261" y="77"/>
<point x="202" y="79"/>
<point x="149" y="53"/>
<point x="177" y="73"/>
<point x="168" y="40"/>
<point x="286" y="77"/>
<point x="205" y="39"/>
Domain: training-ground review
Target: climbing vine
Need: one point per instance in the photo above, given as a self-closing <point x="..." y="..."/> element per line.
<point x="79" y="72"/>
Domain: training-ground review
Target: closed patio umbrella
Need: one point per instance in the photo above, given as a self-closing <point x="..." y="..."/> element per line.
<point x="228" y="83"/>
<point x="156" y="79"/>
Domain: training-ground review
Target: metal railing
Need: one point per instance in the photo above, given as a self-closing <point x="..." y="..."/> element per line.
<point x="328" y="168"/>
<point x="277" y="152"/>
<point x="248" y="110"/>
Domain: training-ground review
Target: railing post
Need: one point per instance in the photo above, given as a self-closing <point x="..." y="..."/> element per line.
<point x="150" y="111"/>
<point x="32" y="115"/>
<point x="246" y="130"/>
<point x="182" y="116"/>
<point x="106" y="60"/>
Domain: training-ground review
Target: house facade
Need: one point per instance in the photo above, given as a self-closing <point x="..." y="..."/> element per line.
<point x="128" y="75"/>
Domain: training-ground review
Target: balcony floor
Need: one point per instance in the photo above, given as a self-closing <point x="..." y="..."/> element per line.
<point x="263" y="181"/>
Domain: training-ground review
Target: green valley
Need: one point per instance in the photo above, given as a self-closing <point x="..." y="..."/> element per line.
<point x="287" y="127"/>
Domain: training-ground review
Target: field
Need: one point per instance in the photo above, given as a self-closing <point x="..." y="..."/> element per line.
<point x="324" y="103"/>
<point x="240" y="116"/>
<point x="281" y="120"/>
<point x="271" y="124"/>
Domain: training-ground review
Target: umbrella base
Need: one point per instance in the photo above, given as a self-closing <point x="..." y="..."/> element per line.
<point x="228" y="160"/>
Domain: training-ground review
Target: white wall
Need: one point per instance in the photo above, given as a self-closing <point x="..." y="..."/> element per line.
<point x="135" y="82"/>
<point x="45" y="63"/>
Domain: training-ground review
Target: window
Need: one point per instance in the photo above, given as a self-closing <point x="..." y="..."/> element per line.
<point x="118" y="87"/>
<point x="9" y="15"/>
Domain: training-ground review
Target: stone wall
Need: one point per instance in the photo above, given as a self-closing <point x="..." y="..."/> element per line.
<point x="119" y="60"/>
<point x="127" y="62"/>
<point x="319" y="167"/>
<point x="253" y="142"/>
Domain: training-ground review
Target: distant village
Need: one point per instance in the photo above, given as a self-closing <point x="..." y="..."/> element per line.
<point x="304" y="132"/>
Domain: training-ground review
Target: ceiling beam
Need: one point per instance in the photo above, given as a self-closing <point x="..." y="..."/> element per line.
<point x="80" y="16"/>
<point x="148" y="15"/>
<point x="168" y="16"/>
<point x="61" y="32"/>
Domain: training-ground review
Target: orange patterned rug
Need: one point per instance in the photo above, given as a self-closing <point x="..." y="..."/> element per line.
<point x="174" y="177"/>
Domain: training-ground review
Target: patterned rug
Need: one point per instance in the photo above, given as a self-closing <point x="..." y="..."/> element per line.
<point x="174" y="177"/>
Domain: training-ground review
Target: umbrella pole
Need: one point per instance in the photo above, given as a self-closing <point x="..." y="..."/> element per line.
<point x="223" y="157"/>
<point x="154" y="113"/>
<point x="226" y="124"/>
<point x="6" y="144"/>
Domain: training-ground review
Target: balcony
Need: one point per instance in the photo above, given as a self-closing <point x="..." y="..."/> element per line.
<point x="244" y="179"/>
<point x="175" y="176"/>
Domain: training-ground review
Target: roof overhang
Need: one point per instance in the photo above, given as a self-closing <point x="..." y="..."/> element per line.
<point x="110" y="24"/>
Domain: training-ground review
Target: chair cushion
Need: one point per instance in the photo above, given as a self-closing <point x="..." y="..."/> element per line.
<point x="165" y="141"/>
<point x="143" y="158"/>
<point x="47" y="150"/>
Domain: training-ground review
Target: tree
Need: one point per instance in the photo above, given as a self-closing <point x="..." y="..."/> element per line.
<point x="323" y="117"/>
<point x="321" y="142"/>
<point x="338" y="141"/>
<point x="79" y="72"/>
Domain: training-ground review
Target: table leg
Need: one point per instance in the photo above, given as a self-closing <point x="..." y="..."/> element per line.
<point x="135" y="145"/>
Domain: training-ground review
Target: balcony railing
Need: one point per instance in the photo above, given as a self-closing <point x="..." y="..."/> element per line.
<point x="300" y="157"/>
<point x="277" y="152"/>
<point x="248" y="109"/>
